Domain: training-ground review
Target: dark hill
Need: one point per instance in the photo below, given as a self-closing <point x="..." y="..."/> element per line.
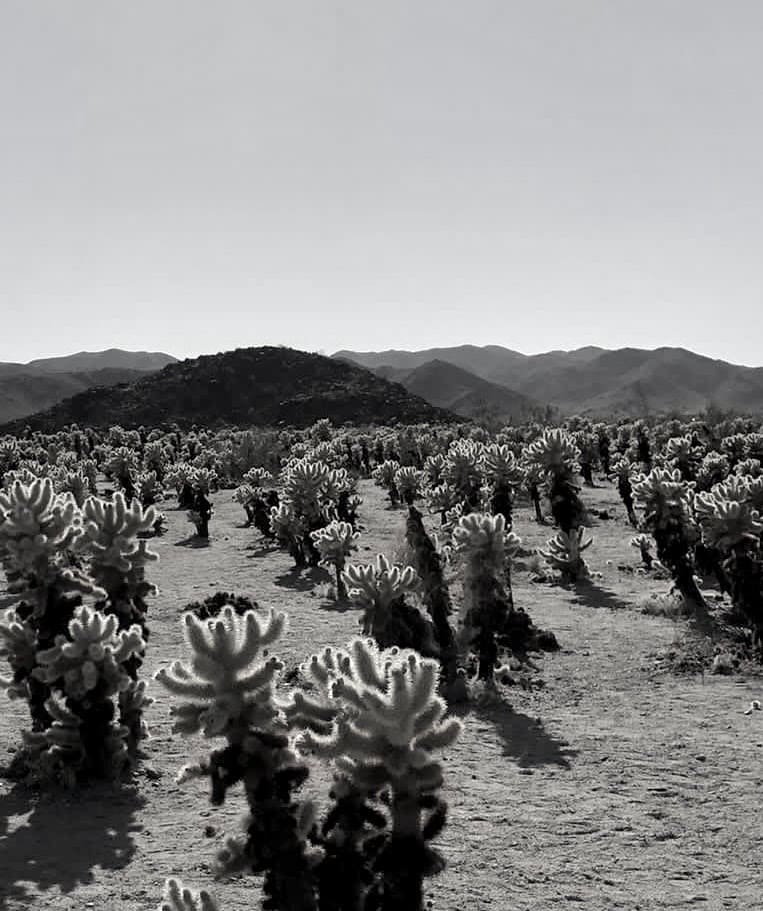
<point x="248" y="386"/>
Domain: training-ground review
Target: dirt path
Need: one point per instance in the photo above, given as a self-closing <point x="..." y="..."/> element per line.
<point x="611" y="786"/>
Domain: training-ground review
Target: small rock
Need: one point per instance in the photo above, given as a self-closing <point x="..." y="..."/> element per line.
<point x="701" y="757"/>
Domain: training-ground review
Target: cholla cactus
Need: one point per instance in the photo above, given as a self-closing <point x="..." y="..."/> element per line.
<point x="228" y="686"/>
<point x="483" y="543"/>
<point x="553" y="459"/>
<point x="408" y="482"/>
<point x="463" y="471"/>
<point x="335" y="543"/>
<point x="156" y="457"/>
<point x="623" y="469"/>
<point x="563" y="553"/>
<point x="121" y="463"/>
<point x="376" y="587"/>
<point x="9" y="456"/>
<point x="751" y="467"/>
<point x="204" y="479"/>
<point x="118" y="561"/>
<point x="736" y="530"/>
<point x="381" y="591"/>
<point x="727" y="524"/>
<point x="644" y="543"/>
<point x="429" y="561"/>
<point x="38" y="531"/>
<point x="117" y="557"/>
<point x="713" y="468"/>
<point x="179" y="475"/>
<point x="340" y="496"/>
<point x="434" y="469"/>
<point x="388" y="724"/>
<point x="501" y="466"/>
<point x="682" y="454"/>
<point x="76" y="483"/>
<point x="37" y="526"/>
<point x="303" y="486"/>
<point x="148" y="488"/>
<point x="666" y="500"/>
<point x="488" y="619"/>
<point x="229" y="690"/>
<point x="257" y="477"/>
<point x="384" y="476"/>
<point x="290" y="530"/>
<point x="178" y="897"/>
<point x="91" y="656"/>
<point x="442" y="499"/>
<point x="18" y="645"/>
<point x="86" y="667"/>
<point x="554" y="452"/>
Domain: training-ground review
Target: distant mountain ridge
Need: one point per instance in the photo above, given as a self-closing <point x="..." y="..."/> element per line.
<point x="88" y="361"/>
<point x="28" y="388"/>
<point x="596" y="381"/>
<point x="248" y="386"/>
<point x="458" y="390"/>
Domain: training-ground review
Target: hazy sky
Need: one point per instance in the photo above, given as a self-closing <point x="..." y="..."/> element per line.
<point x="195" y="176"/>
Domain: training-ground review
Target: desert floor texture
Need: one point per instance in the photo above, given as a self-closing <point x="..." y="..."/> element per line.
<point x="610" y="782"/>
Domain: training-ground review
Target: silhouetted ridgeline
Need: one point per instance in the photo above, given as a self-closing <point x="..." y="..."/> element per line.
<point x="248" y="386"/>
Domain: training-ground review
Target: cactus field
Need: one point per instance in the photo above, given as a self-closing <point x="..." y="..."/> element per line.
<point x="501" y="712"/>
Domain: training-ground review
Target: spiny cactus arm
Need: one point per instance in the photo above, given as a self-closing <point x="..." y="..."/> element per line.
<point x="93" y="653"/>
<point x="228" y="682"/>
<point x="178" y="897"/>
<point x="727" y="524"/>
<point x="111" y="530"/>
<point x="18" y="644"/>
<point x="365" y="665"/>
<point x="380" y="584"/>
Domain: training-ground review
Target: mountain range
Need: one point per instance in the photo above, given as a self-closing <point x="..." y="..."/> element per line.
<point x="245" y="387"/>
<point x="591" y="381"/>
<point x="35" y="386"/>
<point x="272" y="385"/>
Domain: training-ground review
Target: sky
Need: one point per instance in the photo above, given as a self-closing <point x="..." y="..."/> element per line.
<point x="191" y="177"/>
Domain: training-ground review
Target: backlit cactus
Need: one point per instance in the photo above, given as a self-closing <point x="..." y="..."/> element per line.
<point x="388" y="725"/>
<point x="335" y="543"/>
<point x="666" y="501"/>
<point x="228" y="690"/>
<point x="178" y="897"/>
<point x="85" y="669"/>
<point x="564" y="553"/>
<point x="409" y="483"/>
<point x="388" y="615"/>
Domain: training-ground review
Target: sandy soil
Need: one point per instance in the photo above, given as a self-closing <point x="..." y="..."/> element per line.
<point x="609" y="784"/>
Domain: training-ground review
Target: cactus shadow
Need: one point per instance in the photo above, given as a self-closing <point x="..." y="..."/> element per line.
<point x="302" y="579"/>
<point x="337" y="605"/>
<point x="261" y="549"/>
<point x="588" y="594"/>
<point x="66" y="840"/>
<point x="523" y="739"/>
<point x="193" y="541"/>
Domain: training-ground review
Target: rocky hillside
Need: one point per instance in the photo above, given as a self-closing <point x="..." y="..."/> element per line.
<point x="264" y="386"/>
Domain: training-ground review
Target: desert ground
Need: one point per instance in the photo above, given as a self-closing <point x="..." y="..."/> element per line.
<point x="611" y="779"/>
